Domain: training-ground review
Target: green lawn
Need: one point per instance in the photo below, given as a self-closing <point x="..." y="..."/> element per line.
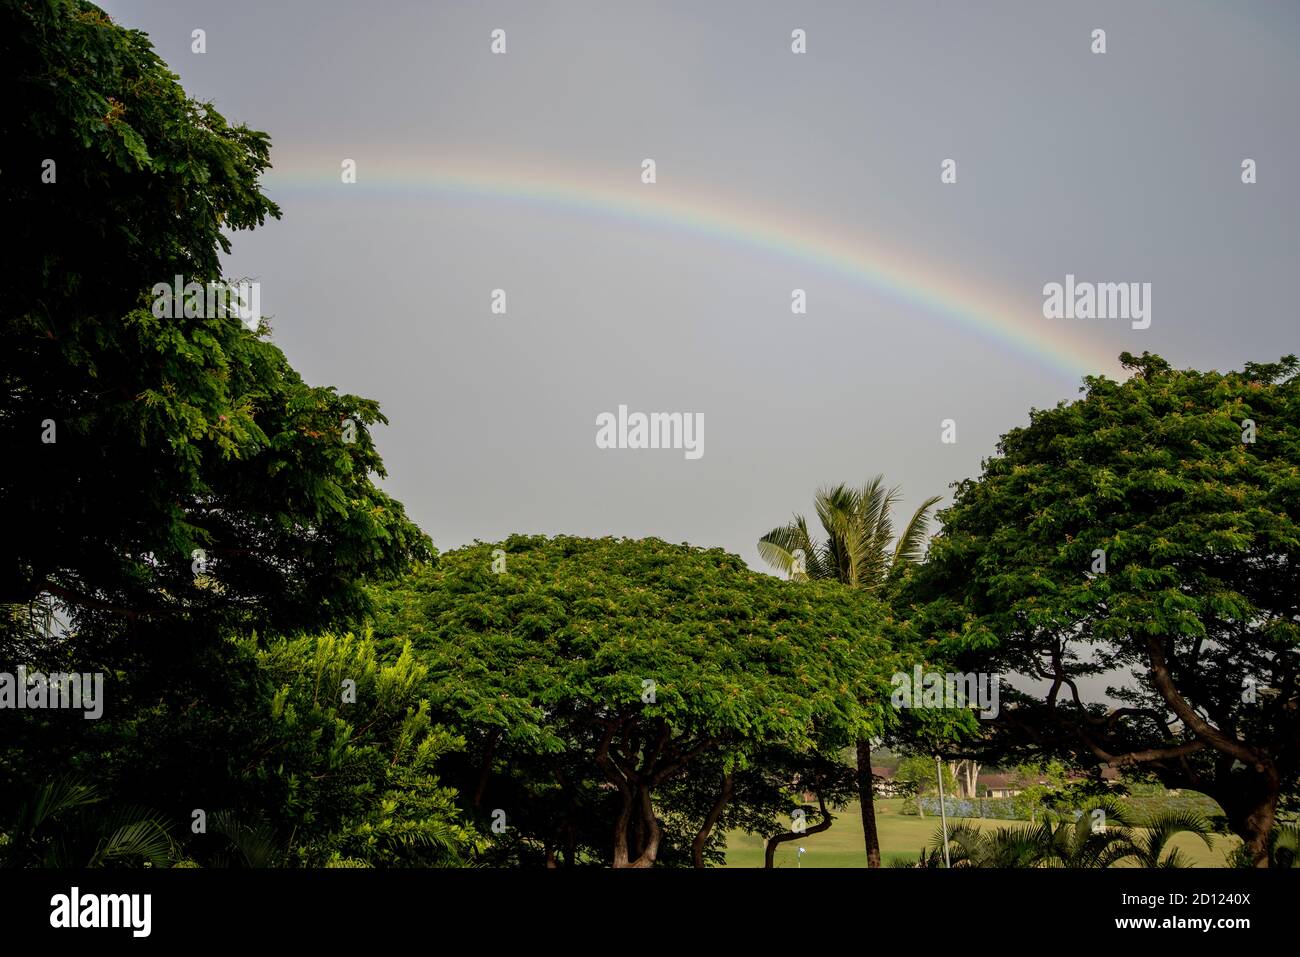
<point x="901" y="838"/>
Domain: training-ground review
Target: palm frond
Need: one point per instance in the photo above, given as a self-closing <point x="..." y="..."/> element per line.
<point x="780" y="546"/>
<point x="134" y="834"/>
<point x="54" y="802"/>
<point x="875" y="510"/>
<point x="1161" y="829"/>
<point x="836" y="506"/>
<point x="911" y="543"/>
<point x="859" y="549"/>
<point x="254" y="840"/>
<point x="1284" y="845"/>
<point x="63" y="794"/>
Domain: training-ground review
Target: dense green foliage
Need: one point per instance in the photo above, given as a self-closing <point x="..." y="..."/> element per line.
<point x="313" y="752"/>
<point x="354" y="749"/>
<point x="170" y="434"/>
<point x="1147" y="532"/>
<point x="169" y="482"/>
<point x="545" y="665"/>
<point x="188" y="517"/>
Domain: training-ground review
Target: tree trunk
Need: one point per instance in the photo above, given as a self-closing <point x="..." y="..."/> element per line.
<point x="1251" y="814"/>
<point x="648" y="831"/>
<point x="636" y="844"/>
<point x="769" y="855"/>
<point x="867" y="798"/>
<point x="621" y="825"/>
<point x="702" y="836"/>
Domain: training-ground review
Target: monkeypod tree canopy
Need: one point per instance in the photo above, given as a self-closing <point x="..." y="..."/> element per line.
<point x="633" y="661"/>
<point x="1146" y="533"/>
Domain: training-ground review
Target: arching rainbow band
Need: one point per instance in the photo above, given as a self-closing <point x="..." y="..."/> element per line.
<point x="907" y="279"/>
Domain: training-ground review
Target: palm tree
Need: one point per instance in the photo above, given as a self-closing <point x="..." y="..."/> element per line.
<point x="1047" y="844"/>
<point x="1146" y="850"/>
<point x="1053" y="842"/>
<point x="965" y="844"/>
<point x="1079" y="843"/>
<point x="968" y="846"/>
<point x="64" y="824"/>
<point x="1059" y="842"/>
<point x="250" y="842"/>
<point x="1284" y="845"/>
<point x="859" y="551"/>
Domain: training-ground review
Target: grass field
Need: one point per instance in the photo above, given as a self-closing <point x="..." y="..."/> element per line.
<point x="901" y="838"/>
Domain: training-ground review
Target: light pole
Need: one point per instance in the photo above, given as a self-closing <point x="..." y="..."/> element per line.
<point x="943" y="812"/>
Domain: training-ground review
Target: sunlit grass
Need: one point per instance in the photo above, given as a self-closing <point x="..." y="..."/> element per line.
<point x="902" y="837"/>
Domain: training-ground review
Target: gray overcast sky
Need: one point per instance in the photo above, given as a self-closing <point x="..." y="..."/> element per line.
<point x="1122" y="167"/>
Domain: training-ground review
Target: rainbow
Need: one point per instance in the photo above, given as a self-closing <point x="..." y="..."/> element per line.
<point x="934" y="288"/>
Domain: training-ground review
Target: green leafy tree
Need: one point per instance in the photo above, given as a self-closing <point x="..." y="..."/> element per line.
<point x="590" y="676"/>
<point x="1095" y="835"/>
<point x="164" y="468"/>
<point x="174" y="480"/>
<point x="348" y="760"/>
<point x="1041" y="783"/>
<point x="1148" y="533"/>
<point x="1073" y="841"/>
<point x="859" y="550"/>
<point x="327" y="756"/>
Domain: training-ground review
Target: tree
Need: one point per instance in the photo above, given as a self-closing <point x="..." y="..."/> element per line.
<point x="164" y="468"/>
<point x="350" y="750"/>
<point x="967" y="772"/>
<point x="1096" y="835"/>
<point x="171" y="478"/>
<point x="333" y="764"/>
<point x="1041" y="783"/>
<point x="1051" y="843"/>
<point x="1146" y="533"/>
<point x="590" y="677"/>
<point x="859" y="551"/>
<point x="918" y="775"/>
